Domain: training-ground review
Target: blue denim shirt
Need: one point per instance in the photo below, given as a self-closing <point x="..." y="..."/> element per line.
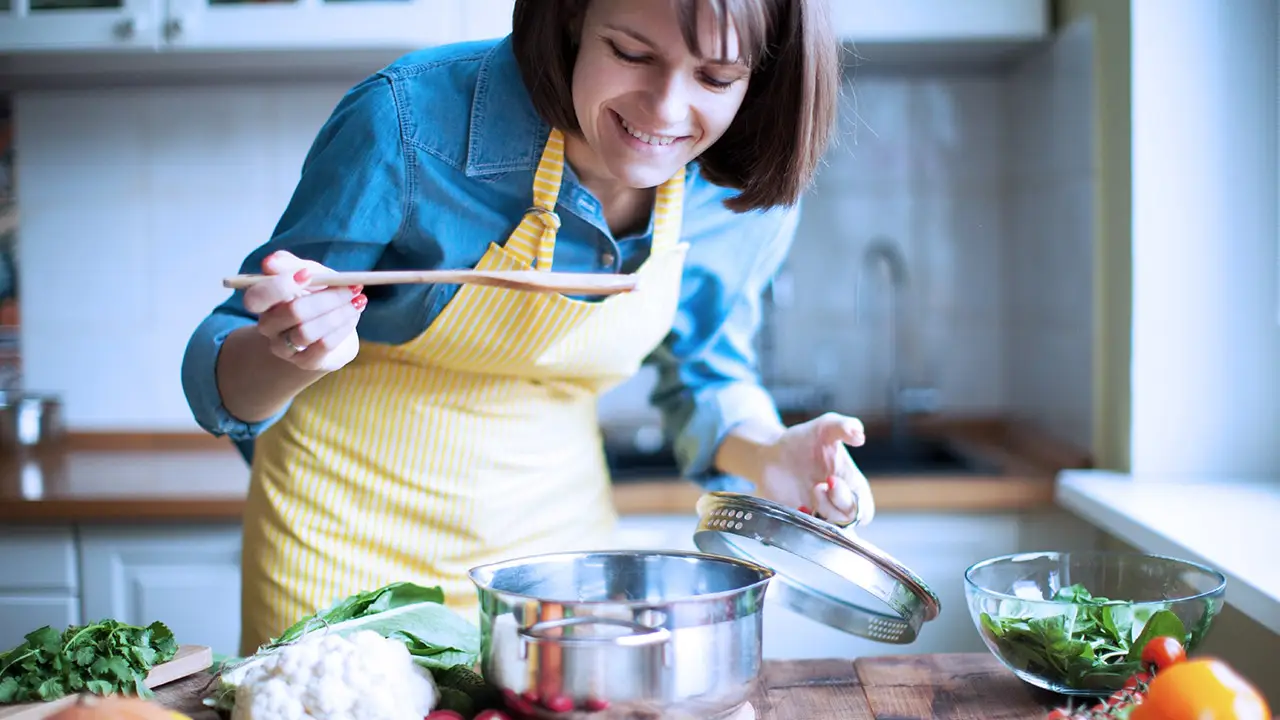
<point x="426" y="162"/>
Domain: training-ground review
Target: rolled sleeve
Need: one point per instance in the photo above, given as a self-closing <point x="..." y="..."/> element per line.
<point x="200" y="383"/>
<point x="349" y="204"/>
<point x="708" y="381"/>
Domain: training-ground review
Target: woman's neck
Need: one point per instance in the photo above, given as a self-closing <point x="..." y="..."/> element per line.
<point x="626" y="210"/>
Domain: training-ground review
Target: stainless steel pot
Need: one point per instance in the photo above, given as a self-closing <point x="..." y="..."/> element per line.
<point x="625" y="634"/>
<point x="29" y="420"/>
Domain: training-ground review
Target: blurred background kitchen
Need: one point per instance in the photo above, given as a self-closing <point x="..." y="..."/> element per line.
<point x="1045" y="245"/>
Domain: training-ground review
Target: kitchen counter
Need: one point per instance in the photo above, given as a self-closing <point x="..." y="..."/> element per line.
<point x="945" y="687"/>
<point x="180" y="477"/>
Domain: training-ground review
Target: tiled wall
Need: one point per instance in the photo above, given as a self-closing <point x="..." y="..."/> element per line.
<point x="135" y="203"/>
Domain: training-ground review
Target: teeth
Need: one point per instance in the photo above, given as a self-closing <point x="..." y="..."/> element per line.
<point x="646" y="137"/>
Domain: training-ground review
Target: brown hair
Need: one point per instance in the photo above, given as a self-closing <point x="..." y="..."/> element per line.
<point x="772" y="149"/>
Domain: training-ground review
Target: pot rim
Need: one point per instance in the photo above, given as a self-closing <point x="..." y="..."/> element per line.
<point x="766" y="575"/>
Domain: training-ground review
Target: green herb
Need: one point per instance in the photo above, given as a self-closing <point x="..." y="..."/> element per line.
<point x="104" y="658"/>
<point x="1088" y="643"/>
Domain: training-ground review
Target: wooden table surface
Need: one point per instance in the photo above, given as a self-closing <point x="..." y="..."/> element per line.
<point x="904" y="687"/>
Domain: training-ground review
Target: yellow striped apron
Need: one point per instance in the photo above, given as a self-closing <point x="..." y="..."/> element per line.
<point x="474" y="442"/>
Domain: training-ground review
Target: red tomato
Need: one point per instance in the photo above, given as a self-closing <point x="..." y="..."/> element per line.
<point x="1059" y="714"/>
<point x="596" y="704"/>
<point x="1163" y="652"/>
<point x="558" y="703"/>
<point x="492" y="715"/>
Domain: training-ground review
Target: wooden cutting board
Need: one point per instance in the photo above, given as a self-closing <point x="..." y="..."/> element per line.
<point x="189" y="660"/>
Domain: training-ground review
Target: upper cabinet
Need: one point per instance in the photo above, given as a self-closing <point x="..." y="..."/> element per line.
<point x="111" y="26"/>
<point x="80" y="34"/>
<point x="922" y="22"/>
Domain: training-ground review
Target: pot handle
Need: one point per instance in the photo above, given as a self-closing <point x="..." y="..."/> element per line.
<point x="642" y="634"/>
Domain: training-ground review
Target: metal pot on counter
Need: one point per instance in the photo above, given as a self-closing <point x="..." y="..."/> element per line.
<point x="29" y="420"/>
<point x="669" y="634"/>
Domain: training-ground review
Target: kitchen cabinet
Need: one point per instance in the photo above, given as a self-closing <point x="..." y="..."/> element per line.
<point x="873" y="22"/>
<point x="186" y="576"/>
<point x="90" y="29"/>
<point x="40" y="583"/>
<point x="112" y="26"/>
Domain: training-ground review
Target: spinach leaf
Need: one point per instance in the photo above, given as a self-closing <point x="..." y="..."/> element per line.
<point x="1090" y="642"/>
<point x="103" y="658"/>
<point x="437" y="637"/>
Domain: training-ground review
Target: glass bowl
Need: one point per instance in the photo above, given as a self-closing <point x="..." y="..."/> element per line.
<point x="1075" y="623"/>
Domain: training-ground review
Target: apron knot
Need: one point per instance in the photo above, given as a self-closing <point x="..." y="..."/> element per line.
<point x="549" y="220"/>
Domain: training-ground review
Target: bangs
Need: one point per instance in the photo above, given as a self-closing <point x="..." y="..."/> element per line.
<point x="750" y="18"/>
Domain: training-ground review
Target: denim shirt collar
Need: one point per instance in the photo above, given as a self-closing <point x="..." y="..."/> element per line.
<point x="507" y="134"/>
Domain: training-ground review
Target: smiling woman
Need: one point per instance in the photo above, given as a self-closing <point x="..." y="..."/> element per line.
<point x="411" y="432"/>
<point x="712" y="65"/>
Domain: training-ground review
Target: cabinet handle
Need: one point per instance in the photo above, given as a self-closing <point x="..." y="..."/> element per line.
<point x="173" y="28"/>
<point x="126" y="29"/>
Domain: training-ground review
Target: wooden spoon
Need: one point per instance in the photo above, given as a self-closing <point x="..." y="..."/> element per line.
<point x="528" y="280"/>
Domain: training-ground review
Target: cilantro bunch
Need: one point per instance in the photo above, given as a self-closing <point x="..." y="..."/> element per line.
<point x="103" y="658"/>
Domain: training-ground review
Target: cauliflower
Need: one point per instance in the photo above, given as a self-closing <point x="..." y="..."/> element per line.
<point x="325" y="676"/>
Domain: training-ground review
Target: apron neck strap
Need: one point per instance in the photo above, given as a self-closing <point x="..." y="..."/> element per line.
<point x="534" y="241"/>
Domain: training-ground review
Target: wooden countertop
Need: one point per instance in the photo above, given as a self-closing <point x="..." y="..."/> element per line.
<point x="907" y="687"/>
<point x="127" y="478"/>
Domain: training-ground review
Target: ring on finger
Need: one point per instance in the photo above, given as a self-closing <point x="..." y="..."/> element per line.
<point x="291" y="344"/>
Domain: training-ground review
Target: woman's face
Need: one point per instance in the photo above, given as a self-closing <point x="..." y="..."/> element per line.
<point x="646" y="104"/>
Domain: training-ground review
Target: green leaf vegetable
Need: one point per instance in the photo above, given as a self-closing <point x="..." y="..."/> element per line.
<point x="103" y="658"/>
<point x="437" y="637"/>
<point x="1087" y="643"/>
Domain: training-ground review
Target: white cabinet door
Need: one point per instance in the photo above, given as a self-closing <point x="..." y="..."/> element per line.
<point x="187" y="577"/>
<point x="20" y="614"/>
<point x="40" y="581"/>
<point x="320" y="25"/>
<point x="39" y="558"/>
<point x="916" y="21"/>
<point x="108" y="25"/>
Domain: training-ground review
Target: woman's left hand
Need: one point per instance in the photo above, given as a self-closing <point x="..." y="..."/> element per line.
<point x="809" y="468"/>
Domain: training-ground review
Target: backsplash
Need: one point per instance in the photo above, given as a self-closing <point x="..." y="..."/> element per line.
<point x="164" y="190"/>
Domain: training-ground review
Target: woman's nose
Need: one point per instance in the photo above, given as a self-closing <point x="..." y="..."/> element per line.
<point x="670" y="103"/>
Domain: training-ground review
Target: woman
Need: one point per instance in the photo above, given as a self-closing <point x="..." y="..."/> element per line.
<point x="413" y="432"/>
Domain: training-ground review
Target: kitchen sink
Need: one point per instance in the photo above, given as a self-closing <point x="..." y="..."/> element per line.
<point x="915" y="455"/>
<point x="881" y="457"/>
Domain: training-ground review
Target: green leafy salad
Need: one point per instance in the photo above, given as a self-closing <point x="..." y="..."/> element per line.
<point x="1088" y="642"/>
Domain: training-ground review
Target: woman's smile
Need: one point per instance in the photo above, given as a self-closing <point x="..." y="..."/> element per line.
<point x="640" y="140"/>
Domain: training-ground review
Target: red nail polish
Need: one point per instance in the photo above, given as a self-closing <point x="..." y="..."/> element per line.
<point x="805" y="510"/>
<point x="827" y="485"/>
<point x="302" y="276"/>
<point x="359" y="301"/>
<point x="357" y="289"/>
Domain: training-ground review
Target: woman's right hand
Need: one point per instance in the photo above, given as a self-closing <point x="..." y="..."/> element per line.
<point x="313" y="328"/>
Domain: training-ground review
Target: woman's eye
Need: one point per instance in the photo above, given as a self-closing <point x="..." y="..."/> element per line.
<point x="617" y="52"/>
<point x="716" y="82"/>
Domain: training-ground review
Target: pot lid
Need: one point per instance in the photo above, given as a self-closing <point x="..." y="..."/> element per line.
<point x="823" y="571"/>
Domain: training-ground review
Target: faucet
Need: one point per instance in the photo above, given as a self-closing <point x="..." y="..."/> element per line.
<point x="903" y="400"/>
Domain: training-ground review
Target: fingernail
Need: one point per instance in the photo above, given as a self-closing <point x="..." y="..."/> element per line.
<point x="805" y="510"/>
<point x="357" y="289"/>
<point x="302" y="276"/>
<point x="359" y="301"/>
<point x="827" y="484"/>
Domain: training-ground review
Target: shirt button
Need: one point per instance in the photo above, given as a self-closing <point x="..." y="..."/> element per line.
<point x="606" y="259"/>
